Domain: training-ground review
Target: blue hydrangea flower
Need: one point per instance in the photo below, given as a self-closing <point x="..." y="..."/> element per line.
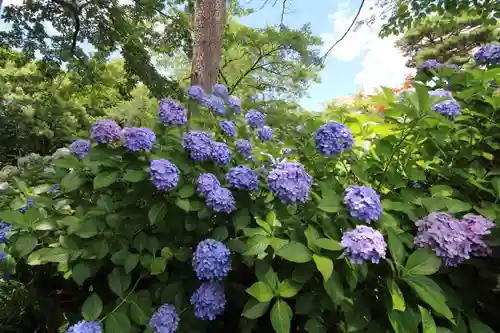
<point x="85" y="327"/>
<point x="165" y="319"/>
<point x="221" y="91"/>
<point x="244" y="147"/>
<point x="221" y="153"/>
<point x="265" y="133"/>
<point x="164" y="174"/>
<point x="255" y="119"/>
<point x="171" y="113"/>
<point x="4" y="229"/>
<point x="290" y="182"/>
<point x="104" y="131"/>
<point x="54" y="188"/>
<point x="363" y="203"/>
<point x="211" y="260"/>
<point x="242" y="177"/>
<point x="333" y="138"/>
<point x="430" y="64"/>
<point x="488" y="55"/>
<point x="450" y="109"/>
<point x="197" y="93"/>
<point x="221" y="200"/>
<point x="228" y="127"/>
<point x="138" y="138"/>
<point x="199" y="144"/>
<point x="216" y="104"/>
<point x="207" y="183"/>
<point x="442" y="93"/>
<point x="208" y="301"/>
<point x="364" y="244"/>
<point x="234" y="104"/>
<point x="476" y="227"/>
<point x="80" y="148"/>
<point x="29" y="203"/>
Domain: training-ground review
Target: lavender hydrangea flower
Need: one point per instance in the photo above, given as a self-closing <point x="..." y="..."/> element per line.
<point x="165" y="319"/>
<point x="29" y="203"/>
<point x="242" y="177"/>
<point x="442" y="93"/>
<point x="199" y="144"/>
<point x="221" y="153"/>
<point x="364" y="244"/>
<point x="244" y="147"/>
<point x="255" y="119"/>
<point x="211" y="260"/>
<point x="430" y="64"/>
<point x="450" y="109"/>
<point x="216" y="104"/>
<point x="171" y="113"/>
<point x="234" y="104"/>
<point x="197" y="93"/>
<point x="265" y="133"/>
<point x="221" y="200"/>
<point x="4" y="229"/>
<point x="207" y="183"/>
<point x="363" y="203"/>
<point x="333" y="138"/>
<point x="488" y="55"/>
<point x="104" y="131"/>
<point x="228" y="127"/>
<point x="80" y="148"/>
<point x="85" y="327"/>
<point x="221" y="91"/>
<point x="476" y="227"/>
<point x="290" y="182"/>
<point x="208" y="301"/>
<point x="164" y="174"/>
<point x="138" y="138"/>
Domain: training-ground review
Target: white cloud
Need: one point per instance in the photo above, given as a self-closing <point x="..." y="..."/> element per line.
<point x="382" y="63"/>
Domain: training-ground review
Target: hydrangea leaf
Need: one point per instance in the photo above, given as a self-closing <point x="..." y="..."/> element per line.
<point x="428" y="324"/>
<point x="422" y="262"/>
<point x="324" y="265"/>
<point x="117" y="322"/>
<point x="254" y="309"/>
<point x="398" y="301"/>
<point x="261" y="291"/>
<point x="281" y="316"/>
<point x="295" y="252"/>
<point x="92" y="307"/>
<point x="104" y="179"/>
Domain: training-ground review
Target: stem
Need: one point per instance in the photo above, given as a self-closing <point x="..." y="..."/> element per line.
<point x="123" y="299"/>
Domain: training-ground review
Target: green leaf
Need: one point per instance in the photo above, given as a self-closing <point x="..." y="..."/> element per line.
<point x="288" y="288"/>
<point x="295" y="252"/>
<point x="67" y="162"/>
<point x="183" y="204"/>
<point x="398" y="301"/>
<point x="441" y="191"/>
<point x="266" y="273"/>
<point x="80" y="273"/>
<point x="314" y="326"/>
<point x="118" y="283"/>
<point x="457" y="206"/>
<point x="241" y="219"/>
<point x="187" y="191"/>
<point x="46" y="255"/>
<point x="477" y="326"/>
<point x="430" y="293"/>
<point x="261" y="291"/>
<point x="104" y="179"/>
<point x="130" y="263"/>
<point x="134" y="176"/>
<point x="422" y="262"/>
<point x="256" y="245"/>
<point x="333" y="288"/>
<point x="281" y="317"/>
<point x="329" y="244"/>
<point x="157" y="212"/>
<point x="396" y="247"/>
<point x="220" y="233"/>
<point x="71" y="181"/>
<point x="92" y="307"/>
<point x="403" y="322"/>
<point x="324" y="265"/>
<point x="158" y="265"/>
<point x="117" y="322"/>
<point x="25" y="244"/>
<point x="496" y="185"/>
<point x="423" y="97"/>
<point x="254" y="309"/>
<point x="140" y="307"/>
<point x="428" y="324"/>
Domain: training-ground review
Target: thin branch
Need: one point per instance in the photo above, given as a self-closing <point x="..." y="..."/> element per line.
<point x="282" y="12"/>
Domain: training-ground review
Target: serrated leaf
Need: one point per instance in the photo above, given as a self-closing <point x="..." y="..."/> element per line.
<point x="398" y="301"/>
<point x="256" y="245"/>
<point x="295" y="252"/>
<point x="428" y="324"/>
<point x="281" y="317"/>
<point x="288" y="288"/>
<point x="422" y="262"/>
<point x="254" y="309"/>
<point x="80" y="273"/>
<point x="187" y="191"/>
<point x="104" y="179"/>
<point x="158" y="265"/>
<point x="117" y="322"/>
<point x="118" y="283"/>
<point x="92" y="307"/>
<point x="329" y="244"/>
<point x="157" y="212"/>
<point x="324" y="265"/>
<point x="25" y="244"/>
<point x="71" y="181"/>
<point x="134" y="176"/>
<point x="130" y="263"/>
<point x="261" y="291"/>
<point x="183" y="204"/>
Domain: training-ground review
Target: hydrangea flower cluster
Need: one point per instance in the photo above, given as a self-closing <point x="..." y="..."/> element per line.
<point x="228" y="127"/>
<point x="244" y="147"/>
<point x="197" y="93"/>
<point x="290" y="182"/>
<point x="255" y="119"/>
<point x="363" y="203"/>
<point x="4" y="229"/>
<point x="165" y="319"/>
<point x="216" y="104"/>
<point x="80" y="148"/>
<point x="333" y="138"/>
<point x="164" y="174"/>
<point x="207" y="183"/>
<point x="234" y="104"/>
<point x="171" y="113"/>
<point x="265" y="133"/>
<point x="488" y="55"/>
<point x="85" y="327"/>
<point x="364" y="244"/>
<point x="138" y="138"/>
<point x="242" y="177"/>
<point x="220" y="91"/>
<point x="221" y="200"/>
<point x="208" y="301"/>
<point x="450" y="109"/>
<point x="105" y="131"/>
<point x="211" y="260"/>
<point x="221" y="153"/>
<point x="199" y="145"/>
<point x="433" y="64"/>
<point x="442" y="93"/>
<point x="476" y="227"/>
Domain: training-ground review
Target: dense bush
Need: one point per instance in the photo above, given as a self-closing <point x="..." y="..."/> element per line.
<point x="363" y="223"/>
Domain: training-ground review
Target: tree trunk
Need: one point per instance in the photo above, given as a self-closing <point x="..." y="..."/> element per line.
<point x="209" y="23"/>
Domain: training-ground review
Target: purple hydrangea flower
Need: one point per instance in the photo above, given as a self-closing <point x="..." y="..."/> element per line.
<point x="164" y="174"/>
<point x="450" y="109"/>
<point x="199" y="144"/>
<point x="430" y="64"/>
<point x="54" y="188"/>
<point x="286" y="151"/>
<point x="221" y="91"/>
<point x="171" y="113"/>
<point x="454" y="66"/>
<point x="221" y="153"/>
<point x="476" y="227"/>
<point x="29" y="203"/>
<point x="2" y="255"/>
<point x="290" y="182"/>
<point x="4" y="229"/>
<point x="207" y="183"/>
<point x="333" y="138"/>
<point x="221" y="200"/>
<point x="265" y="133"/>
<point x="211" y="260"/>
<point x="363" y="203"/>
<point x="442" y="93"/>
<point x="104" y="131"/>
<point x="488" y="55"/>
<point x="255" y="119"/>
<point x="208" y="301"/>
<point x="138" y="138"/>
<point x="165" y="319"/>
<point x="242" y="177"/>
<point x="364" y="244"/>
<point x="228" y="127"/>
<point x="197" y="93"/>
<point x="80" y="148"/>
<point x="244" y="147"/>
<point x="234" y="104"/>
<point x="85" y="327"/>
<point x="216" y="104"/>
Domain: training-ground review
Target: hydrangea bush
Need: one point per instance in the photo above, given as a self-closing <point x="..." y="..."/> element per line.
<point x="216" y="229"/>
